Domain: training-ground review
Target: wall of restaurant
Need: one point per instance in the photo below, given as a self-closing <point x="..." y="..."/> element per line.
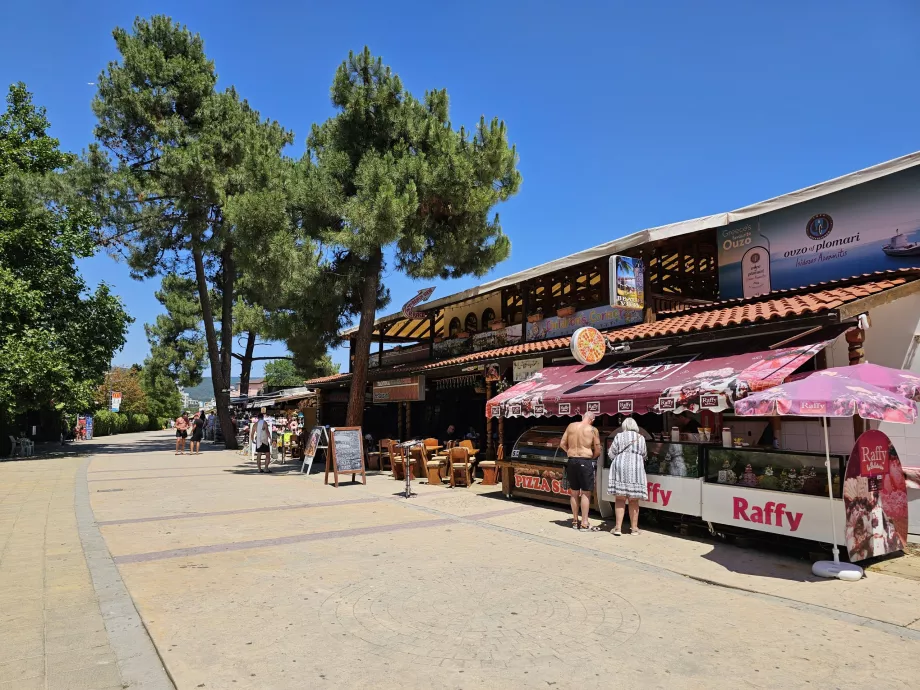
<point x="477" y="306"/>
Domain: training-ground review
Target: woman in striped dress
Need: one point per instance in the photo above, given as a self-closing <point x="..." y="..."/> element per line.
<point x="627" y="481"/>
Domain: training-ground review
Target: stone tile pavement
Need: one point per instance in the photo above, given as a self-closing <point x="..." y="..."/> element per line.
<point x="277" y="581"/>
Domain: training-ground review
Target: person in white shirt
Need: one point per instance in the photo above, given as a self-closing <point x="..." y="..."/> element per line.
<point x="260" y="434"/>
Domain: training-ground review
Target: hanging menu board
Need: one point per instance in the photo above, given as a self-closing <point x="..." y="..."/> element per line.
<point x="346" y="453"/>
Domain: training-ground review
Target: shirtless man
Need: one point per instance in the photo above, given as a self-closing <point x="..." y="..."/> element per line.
<point x="582" y="445"/>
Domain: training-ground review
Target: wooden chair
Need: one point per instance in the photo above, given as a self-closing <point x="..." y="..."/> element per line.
<point x="420" y="459"/>
<point x="431" y="442"/>
<point x="459" y="460"/>
<point x="398" y="462"/>
<point x="490" y="468"/>
<point x="385" y="446"/>
<point x="466" y="443"/>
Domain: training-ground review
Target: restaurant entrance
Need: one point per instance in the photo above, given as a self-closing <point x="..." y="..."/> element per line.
<point x="458" y="400"/>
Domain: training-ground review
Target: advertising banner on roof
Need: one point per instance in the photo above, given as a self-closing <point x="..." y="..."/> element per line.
<point x="874" y="226"/>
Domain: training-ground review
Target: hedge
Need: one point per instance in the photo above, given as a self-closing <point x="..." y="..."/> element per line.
<point x="106" y="423"/>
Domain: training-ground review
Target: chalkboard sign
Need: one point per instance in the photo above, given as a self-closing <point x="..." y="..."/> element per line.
<point x="346" y="453"/>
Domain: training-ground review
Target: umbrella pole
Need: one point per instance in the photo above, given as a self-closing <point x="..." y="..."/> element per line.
<point x="834" y="568"/>
<point x="830" y="489"/>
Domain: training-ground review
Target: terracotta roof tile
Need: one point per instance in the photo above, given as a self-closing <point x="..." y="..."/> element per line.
<point x="719" y="315"/>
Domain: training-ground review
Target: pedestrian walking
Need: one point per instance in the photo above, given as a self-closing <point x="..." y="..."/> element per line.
<point x="181" y="425"/>
<point x="582" y="445"/>
<point x="197" y="433"/>
<point x="260" y="434"/>
<point x="627" y="480"/>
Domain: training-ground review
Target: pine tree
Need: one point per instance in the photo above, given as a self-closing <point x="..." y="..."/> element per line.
<point x="389" y="173"/>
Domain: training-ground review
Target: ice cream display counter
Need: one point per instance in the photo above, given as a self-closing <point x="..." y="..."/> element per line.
<point x="782" y="492"/>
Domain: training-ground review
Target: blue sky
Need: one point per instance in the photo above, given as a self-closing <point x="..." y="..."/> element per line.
<point x="625" y="115"/>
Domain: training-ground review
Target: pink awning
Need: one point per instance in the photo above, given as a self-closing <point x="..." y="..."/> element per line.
<point x="687" y="382"/>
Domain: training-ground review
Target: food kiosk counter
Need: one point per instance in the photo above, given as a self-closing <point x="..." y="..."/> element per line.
<point x="536" y="467"/>
<point x="781" y="492"/>
<point x="675" y="481"/>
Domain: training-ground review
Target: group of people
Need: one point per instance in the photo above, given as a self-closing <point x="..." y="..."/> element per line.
<point x="183" y="425"/>
<point x="626" y="481"/>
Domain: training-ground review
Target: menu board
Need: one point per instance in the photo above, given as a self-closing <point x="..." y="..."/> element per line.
<point x="346" y="453"/>
<point x="313" y="442"/>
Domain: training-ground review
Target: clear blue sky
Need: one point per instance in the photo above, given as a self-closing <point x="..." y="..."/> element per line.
<point x="626" y="115"/>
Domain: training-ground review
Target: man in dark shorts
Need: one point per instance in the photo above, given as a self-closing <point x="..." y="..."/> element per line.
<point x="197" y="434"/>
<point x="582" y="445"/>
<point x="260" y="434"/>
<point x="181" y="432"/>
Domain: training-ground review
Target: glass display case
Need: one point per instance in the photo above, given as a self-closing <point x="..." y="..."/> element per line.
<point x="541" y="443"/>
<point x="776" y="470"/>
<point x="672" y="459"/>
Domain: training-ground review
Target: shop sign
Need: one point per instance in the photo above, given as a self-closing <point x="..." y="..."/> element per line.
<point x="588" y="345"/>
<point x="624" y="406"/>
<point x="398" y="355"/>
<point x="472" y="368"/>
<point x="875" y="496"/>
<point x="868" y="227"/>
<point x="116" y="401"/>
<point x="710" y="402"/>
<point x="492" y="372"/>
<point x="523" y="369"/>
<point x="489" y="340"/>
<point x="598" y="317"/>
<point x="667" y="404"/>
<point x="540" y="480"/>
<point x="406" y="389"/>
<point x="790" y="514"/>
<point x="670" y="494"/>
<point x="627" y="289"/>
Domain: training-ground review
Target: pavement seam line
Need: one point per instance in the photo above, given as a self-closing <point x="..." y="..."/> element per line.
<point x="139" y="661"/>
<point x="857" y="619"/>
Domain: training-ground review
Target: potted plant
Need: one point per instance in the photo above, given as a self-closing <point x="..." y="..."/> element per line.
<point x="535" y="316"/>
<point x="496" y="324"/>
<point x="565" y="310"/>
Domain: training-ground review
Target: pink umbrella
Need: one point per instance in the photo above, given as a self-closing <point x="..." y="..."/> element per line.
<point x="826" y="394"/>
<point x="896" y="381"/>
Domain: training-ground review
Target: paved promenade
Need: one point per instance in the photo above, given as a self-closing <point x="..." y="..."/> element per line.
<point x="244" y="580"/>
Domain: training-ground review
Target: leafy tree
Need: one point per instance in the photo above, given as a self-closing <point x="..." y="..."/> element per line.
<point x="191" y="179"/>
<point x="282" y="372"/>
<point x="56" y="339"/>
<point x="389" y="173"/>
<point x="163" y="398"/>
<point x="177" y="347"/>
<point x="127" y="381"/>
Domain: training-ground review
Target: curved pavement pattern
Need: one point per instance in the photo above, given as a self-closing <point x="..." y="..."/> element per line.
<point x="277" y="581"/>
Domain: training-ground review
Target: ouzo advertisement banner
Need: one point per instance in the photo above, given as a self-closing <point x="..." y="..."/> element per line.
<point x="874" y="226"/>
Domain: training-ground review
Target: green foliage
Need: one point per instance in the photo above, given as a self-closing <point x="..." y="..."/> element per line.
<point x="56" y="338"/>
<point x="107" y="423"/>
<point x="389" y="172"/>
<point x="127" y="381"/>
<point x="190" y="180"/>
<point x="177" y="346"/>
<point x="282" y="372"/>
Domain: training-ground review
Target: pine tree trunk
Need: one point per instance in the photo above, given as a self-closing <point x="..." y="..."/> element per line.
<point x="221" y="385"/>
<point x="363" y="340"/>
<point x="246" y="363"/>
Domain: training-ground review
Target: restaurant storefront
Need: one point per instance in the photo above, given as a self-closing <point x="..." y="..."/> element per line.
<point x="656" y="296"/>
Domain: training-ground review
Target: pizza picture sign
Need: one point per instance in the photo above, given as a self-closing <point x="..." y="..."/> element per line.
<point x="588" y="345"/>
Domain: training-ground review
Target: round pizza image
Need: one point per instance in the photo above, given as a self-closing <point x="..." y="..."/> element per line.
<point x="588" y="345"/>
